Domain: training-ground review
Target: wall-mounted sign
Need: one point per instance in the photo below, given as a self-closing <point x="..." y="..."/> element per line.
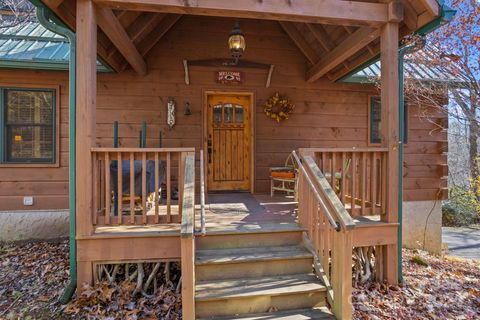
<point x="229" y="77"/>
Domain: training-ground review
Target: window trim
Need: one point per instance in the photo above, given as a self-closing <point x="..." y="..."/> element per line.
<point x="56" y="126"/>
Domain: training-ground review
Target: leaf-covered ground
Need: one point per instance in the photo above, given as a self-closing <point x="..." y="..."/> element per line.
<point x="33" y="276"/>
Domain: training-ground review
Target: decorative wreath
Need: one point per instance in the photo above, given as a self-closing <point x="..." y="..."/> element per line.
<point x="278" y="107"/>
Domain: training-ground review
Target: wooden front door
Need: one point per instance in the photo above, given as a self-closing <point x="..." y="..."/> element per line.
<point x="228" y="142"/>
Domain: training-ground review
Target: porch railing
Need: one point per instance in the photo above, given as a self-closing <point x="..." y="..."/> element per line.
<point x="357" y="176"/>
<point x="328" y="233"/>
<point x="135" y="186"/>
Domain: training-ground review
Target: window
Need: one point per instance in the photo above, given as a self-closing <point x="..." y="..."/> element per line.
<point x="28" y="125"/>
<point x="375" y="121"/>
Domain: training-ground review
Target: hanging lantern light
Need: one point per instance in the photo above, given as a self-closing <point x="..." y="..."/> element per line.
<point x="236" y="42"/>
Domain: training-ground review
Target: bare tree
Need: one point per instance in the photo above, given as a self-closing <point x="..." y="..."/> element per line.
<point x="453" y="54"/>
<point x="15" y="12"/>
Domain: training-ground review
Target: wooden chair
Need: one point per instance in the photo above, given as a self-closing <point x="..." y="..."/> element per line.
<point x="284" y="178"/>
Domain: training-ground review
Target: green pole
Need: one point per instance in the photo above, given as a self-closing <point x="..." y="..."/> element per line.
<point x="45" y="18"/>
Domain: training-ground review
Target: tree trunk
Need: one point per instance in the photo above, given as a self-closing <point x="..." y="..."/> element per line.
<point x="473" y="134"/>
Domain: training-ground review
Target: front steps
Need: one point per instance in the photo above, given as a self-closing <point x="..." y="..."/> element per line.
<point x="257" y="275"/>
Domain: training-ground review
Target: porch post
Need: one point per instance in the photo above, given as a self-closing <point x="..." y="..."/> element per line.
<point x="85" y="135"/>
<point x="390" y="131"/>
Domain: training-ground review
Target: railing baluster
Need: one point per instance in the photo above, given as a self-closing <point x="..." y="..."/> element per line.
<point x="344" y="177"/>
<point x="373" y="183"/>
<point x="132" y="188"/>
<point x="119" y="188"/>
<point x="354" y="182"/>
<point x="169" y="188"/>
<point x="157" y="186"/>
<point x="181" y="174"/>
<point x="108" y="192"/>
<point x="334" y="172"/>
<point x="383" y="183"/>
<point x="144" y="188"/>
<point x="96" y="188"/>
<point x="363" y="180"/>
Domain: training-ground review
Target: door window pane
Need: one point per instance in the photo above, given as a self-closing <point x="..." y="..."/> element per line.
<point x="217" y="114"/>
<point x="29" y="125"/>
<point x="238" y="113"/>
<point x="228" y="113"/>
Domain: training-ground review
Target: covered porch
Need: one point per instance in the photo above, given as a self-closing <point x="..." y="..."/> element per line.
<point x="348" y="185"/>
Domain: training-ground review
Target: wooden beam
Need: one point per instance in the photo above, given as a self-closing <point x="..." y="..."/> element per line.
<point x="158" y="32"/>
<point x="143" y="24"/>
<point x="390" y="136"/>
<point x="313" y="11"/>
<point x="346" y="49"/>
<point x="299" y="41"/>
<point x="86" y="109"/>
<point x="431" y="6"/>
<point x="109" y="23"/>
<point x="54" y="3"/>
<point x="322" y="36"/>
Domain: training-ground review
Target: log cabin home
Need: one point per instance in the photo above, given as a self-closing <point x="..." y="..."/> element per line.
<point x="162" y="138"/>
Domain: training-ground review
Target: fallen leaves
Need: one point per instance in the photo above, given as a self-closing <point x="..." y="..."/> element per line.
<point x="441" y="289"/>
<point x="118" y="301"/>
<point x="34" y="275"/>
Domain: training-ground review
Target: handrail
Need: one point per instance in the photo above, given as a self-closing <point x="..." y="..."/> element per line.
<point x="144" y="150"/>
<point x="203" y="230"/>
<point x="354" y="149"/>
<point x="331" y="220"/>
<point x="342" y="214"/>
<point x="188" y="203"/>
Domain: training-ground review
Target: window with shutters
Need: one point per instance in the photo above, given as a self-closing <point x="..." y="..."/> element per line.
<point x="28" y="125"/>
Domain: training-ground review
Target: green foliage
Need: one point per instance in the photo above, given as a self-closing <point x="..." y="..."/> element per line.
<point x="463" y="206"/>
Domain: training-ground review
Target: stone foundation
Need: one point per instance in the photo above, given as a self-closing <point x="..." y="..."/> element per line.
<point x="38" y="224"/>
<point x="415" y="234"/>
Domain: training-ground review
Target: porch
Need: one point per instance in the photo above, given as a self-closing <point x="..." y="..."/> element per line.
<point x="241" y="239"/>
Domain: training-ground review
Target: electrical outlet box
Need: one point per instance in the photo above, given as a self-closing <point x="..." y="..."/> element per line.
<point x="28" y="201"/>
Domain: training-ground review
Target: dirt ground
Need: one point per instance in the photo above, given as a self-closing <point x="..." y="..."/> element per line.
<point x="33" y="276"/>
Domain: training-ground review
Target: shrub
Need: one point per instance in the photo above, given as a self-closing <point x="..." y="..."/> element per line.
<point x="462" y="208"/>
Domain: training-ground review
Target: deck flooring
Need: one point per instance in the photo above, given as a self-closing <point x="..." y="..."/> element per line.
<point x="225" y="213"/>
<point x="232" y="213"/>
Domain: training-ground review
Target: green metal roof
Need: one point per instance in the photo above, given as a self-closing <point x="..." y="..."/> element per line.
<point x="29" y="45"/>
<point x="426" y="65"/>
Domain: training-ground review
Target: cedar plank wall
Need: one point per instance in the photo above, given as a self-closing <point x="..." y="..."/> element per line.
<point x="326" y="114"/>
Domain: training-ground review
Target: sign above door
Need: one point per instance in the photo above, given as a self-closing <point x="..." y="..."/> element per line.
<point x="229" y="77"/>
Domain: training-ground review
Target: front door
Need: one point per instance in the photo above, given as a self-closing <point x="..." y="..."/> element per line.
<point x="228" y="142"/>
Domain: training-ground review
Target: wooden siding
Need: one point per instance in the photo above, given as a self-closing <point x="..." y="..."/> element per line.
<point x="326" y="114"/>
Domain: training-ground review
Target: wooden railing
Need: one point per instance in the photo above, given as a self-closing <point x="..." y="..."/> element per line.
<point x="328" y="234"/>
<point x="357" y="175"/>
<point x="134" y="186"/>
<point x="187" y="238"/>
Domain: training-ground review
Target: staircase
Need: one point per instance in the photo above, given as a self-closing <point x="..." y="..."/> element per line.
<point x="264" y="274"/>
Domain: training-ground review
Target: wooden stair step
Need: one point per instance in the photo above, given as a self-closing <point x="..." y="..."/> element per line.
<point x="240" y="255"/>
<point x="300" y="314"/>
<point x="264" y="286"/>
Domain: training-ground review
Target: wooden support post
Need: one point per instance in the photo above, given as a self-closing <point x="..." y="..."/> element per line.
<point x="390" y="132"/>
<point x="86" y="104"/>
<point x="188" y="277"/>
<point x="85" y="135"/>
<point x="342" y="274"/>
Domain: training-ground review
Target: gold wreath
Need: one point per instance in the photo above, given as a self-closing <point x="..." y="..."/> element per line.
<point x="278" y="107"/>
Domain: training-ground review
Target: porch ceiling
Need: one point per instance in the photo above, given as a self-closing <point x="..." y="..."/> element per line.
<point x="334" y="36"/>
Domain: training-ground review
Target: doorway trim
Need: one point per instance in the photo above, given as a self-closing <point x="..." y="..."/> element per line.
<point x="251" y="96"/>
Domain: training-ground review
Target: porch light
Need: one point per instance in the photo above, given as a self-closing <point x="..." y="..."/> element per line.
<point x="236" y="42"/>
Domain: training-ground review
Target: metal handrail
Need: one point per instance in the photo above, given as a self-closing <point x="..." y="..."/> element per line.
<point x="331" y="220"/>
<point x="203" y="230"/>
